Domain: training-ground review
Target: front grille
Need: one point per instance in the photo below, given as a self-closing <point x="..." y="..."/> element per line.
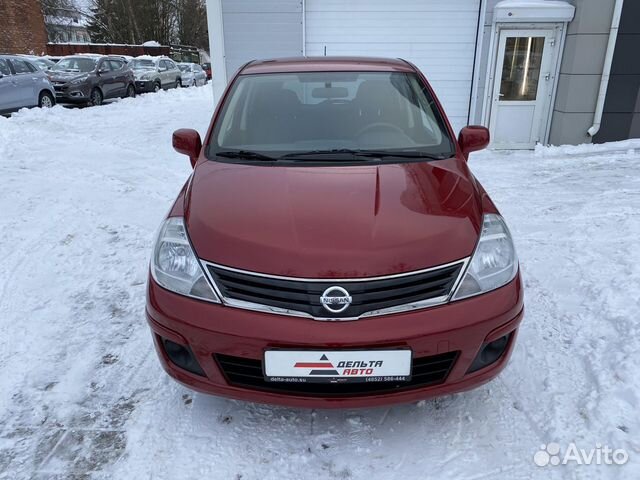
<point x="247" y="373"/>
<point x="302" y="295"/>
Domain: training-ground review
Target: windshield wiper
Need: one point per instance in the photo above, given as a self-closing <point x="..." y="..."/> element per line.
<point x="367" y="154"/>
<point x="246" y="155"/>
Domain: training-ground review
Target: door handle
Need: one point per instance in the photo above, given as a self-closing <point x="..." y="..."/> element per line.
<point x="501" y="94"/>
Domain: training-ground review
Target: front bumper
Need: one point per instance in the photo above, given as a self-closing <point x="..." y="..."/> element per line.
<point x="72" y="94"/>
<point x="144" y="86"/>
<point x="212" y="330"/>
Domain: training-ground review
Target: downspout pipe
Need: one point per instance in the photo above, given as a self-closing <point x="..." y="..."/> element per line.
<point x="606" y="69"/>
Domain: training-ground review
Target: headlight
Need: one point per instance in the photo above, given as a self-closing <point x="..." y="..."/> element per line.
<point x="175" y="267"/>
<point x="494" y="262"/>
<point x="80" y="80"/>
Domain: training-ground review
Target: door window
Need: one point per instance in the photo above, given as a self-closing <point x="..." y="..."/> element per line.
<point x="20" y="66"/>
<point x="104" y="66"/>
<point x="116" y="64"/>
<point x="521" y="68"/>
<point x="4" y="67"/>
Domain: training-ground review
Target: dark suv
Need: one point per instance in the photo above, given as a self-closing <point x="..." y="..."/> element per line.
<point x="90" y="79"/>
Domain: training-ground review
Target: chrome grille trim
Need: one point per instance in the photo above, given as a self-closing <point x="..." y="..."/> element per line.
<point x="258" y="307"/>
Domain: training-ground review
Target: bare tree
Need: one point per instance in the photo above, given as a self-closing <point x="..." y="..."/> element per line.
<point x="136" y="21"/>
<point x="191" y="23"/>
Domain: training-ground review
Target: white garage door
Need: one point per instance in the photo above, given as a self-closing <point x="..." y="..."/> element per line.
<point x="439" y="36"/>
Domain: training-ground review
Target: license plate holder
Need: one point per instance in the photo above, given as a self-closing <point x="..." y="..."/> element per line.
<point x="337" y="366"/>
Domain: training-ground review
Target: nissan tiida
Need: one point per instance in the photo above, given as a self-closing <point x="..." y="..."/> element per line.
<point x="331" y="247"/>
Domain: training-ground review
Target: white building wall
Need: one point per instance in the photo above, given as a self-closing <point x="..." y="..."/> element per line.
<point x="244" y="30"/>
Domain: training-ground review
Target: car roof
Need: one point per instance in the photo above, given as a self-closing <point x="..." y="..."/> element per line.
<point x="16" y="57"/>
<point x="152" y="57"/>
<point x="93" y="56"/>
<point x="327" y="64"/>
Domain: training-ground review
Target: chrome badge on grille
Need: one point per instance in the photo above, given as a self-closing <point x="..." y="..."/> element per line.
<point x="335" y="299"/>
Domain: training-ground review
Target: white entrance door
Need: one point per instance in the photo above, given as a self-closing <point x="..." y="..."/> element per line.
<point x="522" y="89"/>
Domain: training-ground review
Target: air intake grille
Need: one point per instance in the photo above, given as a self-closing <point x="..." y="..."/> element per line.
<point x="302" y="295"/>
<point x="247" y="373"/>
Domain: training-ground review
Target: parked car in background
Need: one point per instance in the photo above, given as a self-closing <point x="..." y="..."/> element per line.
<point x="192" y="75"/>
<point x="90" y="79"/>
<point x="41" y="62"/>
<point x="22" y="84"/>
<point x="53" y="58"/>
<point x="367" y="266"/>
<point x="207" y="69"/>
<point x="155" y="73"/>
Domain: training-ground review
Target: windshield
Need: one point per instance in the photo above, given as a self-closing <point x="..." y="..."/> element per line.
<point x="75" y="64"/>
<point x="329" y="116"/>
<point x="42" y="64"/>
<point x="184" y="68"/>
<point x="139" y="64"/>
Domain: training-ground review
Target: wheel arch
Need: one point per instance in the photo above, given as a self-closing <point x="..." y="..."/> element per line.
<point x="47" y="90"/>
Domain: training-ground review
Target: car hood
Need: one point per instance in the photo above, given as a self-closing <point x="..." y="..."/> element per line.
<point x="65" y="76"/>
<point x="333" y="222"/>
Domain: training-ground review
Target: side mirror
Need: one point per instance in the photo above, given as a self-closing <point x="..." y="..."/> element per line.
<point x="187" y="141"/>
<point x="473" y="138"/>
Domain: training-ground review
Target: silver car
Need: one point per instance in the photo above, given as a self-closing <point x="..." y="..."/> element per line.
<point x="192" y="74"/>
<point x="155" y="73"/>
<point x="22" y="84"/>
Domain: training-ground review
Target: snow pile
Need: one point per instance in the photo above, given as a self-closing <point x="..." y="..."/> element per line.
<point x="81" y="390"/>
<point x="628" y="146"/>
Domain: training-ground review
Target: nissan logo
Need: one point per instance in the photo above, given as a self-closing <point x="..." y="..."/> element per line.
<point x="335" y="299"/>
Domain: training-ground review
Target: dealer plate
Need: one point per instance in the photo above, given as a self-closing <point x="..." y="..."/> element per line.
<point x="337" y="366"/>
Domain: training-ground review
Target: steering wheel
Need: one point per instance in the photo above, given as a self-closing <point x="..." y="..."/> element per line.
<point x="380" y="126"/>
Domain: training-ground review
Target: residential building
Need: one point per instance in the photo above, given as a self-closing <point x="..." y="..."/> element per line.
<point x="67" y="26"/>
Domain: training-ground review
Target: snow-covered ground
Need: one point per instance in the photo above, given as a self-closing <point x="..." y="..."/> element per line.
<point x="82" y="394"/>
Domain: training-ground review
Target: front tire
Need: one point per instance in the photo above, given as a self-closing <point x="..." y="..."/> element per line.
<point x="131" y="91"/>
<point x="156" y="87"/>
<point x="178" y="83"/>
<point x="96" y="97"/>
<point x="46" y="100"/>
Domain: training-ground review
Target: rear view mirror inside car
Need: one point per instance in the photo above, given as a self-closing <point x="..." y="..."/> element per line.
<point x="330" y="92"/>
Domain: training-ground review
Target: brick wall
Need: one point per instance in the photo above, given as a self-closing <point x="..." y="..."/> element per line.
<point x="22" y="27"/>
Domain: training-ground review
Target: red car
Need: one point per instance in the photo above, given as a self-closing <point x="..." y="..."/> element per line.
<point x="332" y="248"/>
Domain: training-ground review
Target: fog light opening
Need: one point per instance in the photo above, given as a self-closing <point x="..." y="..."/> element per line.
<point x="182" y="356"/>
<point x="490" y="353"/>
